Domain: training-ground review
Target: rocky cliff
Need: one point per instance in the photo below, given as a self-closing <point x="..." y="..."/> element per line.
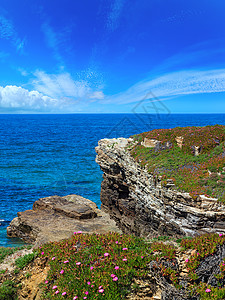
<point x="139" y="203"/>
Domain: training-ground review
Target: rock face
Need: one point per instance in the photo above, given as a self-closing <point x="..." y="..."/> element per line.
<point x="139" y="203"/>
<point x="55" y="218"/>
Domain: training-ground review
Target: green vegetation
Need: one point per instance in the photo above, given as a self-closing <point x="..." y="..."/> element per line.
<point x="8" y="290"/>
<point x="205" y="246"/>
<point x="23" y="261"/>
<point x="97" y="266"/>
<point x="104" y="266"/>
<point x="199" y="175"/>
<point x="4" y="252"/>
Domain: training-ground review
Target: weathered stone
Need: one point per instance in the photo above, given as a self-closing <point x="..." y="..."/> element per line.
<point x="179" y="140"/>
<point x="139" y="203"/>
<point x="55" y="218"/>
<point x="150" y="143"/>
<point x="197" y="150"/>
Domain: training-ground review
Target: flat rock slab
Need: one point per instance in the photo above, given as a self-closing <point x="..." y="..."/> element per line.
<point x="55" y="218"/>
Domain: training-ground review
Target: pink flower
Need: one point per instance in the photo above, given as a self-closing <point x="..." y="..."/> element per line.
<point x="187" y="260"/>
<point x="74" y="298"/>
<point x="64" y="293"/>
<point x="220" y="234"/>
<point x="117" y="242"/>
<point x="124" y="249"/>
<point x="54" y="287"/>
<point x="91" y="268"/>
<point x="88" y="283"/>
<point x="86" y="293"/>
<point x="53" y="258"/>
<point x="66" y="261"/>
<point x="117" y="268"/>
<point x="124" y="259"/>
<point x="115" y="278"/>
<point x="79" y="231"/>
<point x="106" y="254"/>
<point x="78" y="263"/>
<point x="100" y="287"/>
<point x="113" y="275"/>
<point x="46" y="281"/>
<point x="42" y="253"/>
<point x="62" y="271"/>
<point x="74" y="232"/>
<point x="142" y="256"/>
<point x="101" y="291"/>
<point x="92" y="285"/>
<point x="207" y="290"/>
<point x="56" y="292"/>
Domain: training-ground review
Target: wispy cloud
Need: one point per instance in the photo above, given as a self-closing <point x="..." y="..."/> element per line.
<point x="53" y="41"/>
<point x="174" y="84"/>
<point x="8" y="32"/>
<point x="64" y="86"/>
<point x="49" y="93"/>
<point x="194" y="56"/>
<point x="114" y="14"/>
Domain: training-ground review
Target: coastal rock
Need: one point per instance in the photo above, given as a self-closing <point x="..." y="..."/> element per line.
<point x="141" y="204"/>
<point x="55" y="218"/>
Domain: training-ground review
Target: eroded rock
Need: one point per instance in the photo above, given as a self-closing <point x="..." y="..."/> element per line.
<point x="139" y="203"/>
<point x="55" y="218"/>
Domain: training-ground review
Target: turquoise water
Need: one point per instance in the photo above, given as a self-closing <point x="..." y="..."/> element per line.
<point x="44" y="155"/>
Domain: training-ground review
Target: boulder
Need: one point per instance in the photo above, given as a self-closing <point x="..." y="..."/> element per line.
<point x="55" y="218"/>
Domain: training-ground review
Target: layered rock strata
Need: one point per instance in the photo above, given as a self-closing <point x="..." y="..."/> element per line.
<point x="139" y="203"/>
<point x="55" y="218"/>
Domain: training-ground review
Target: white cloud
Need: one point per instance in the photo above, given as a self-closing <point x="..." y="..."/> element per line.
<point x="173" y="85"/>
<point x="64" y="86"/>
<point x="13" y="98"/>
<point x="52" y="93"/>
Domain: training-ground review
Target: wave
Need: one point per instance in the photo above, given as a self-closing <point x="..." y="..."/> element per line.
<point x="4" y="222"/>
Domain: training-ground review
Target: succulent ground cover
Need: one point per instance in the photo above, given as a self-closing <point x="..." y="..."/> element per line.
<point x="104" y="266"/>
<point x="95" y="266"/>
<point x="206" y="246"/>
<point x="199" y="175"/>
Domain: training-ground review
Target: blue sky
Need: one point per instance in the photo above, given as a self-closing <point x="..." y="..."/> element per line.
<point x="93" y="56"/>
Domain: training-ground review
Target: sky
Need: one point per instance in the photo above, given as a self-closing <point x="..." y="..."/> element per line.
<point x="112" y="56"/>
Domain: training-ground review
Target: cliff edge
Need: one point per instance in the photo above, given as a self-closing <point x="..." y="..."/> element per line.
<point x="139" y="202"/>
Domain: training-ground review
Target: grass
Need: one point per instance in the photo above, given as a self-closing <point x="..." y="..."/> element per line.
<point x="199" y="175"/>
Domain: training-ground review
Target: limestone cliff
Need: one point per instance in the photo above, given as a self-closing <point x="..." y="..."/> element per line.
<point x="139" y="204"/>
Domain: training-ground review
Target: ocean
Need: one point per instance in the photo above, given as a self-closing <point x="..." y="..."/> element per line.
<point x="44" y="155"/>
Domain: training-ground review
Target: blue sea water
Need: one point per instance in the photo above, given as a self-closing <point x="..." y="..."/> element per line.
<point x="44" y="155"/>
